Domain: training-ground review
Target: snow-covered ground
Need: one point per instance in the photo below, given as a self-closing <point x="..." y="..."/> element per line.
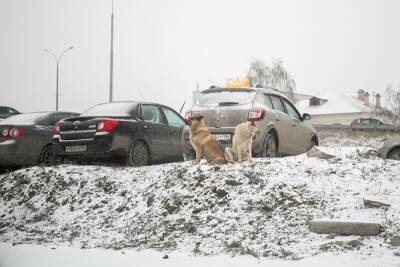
<point x="201" y="214"/>
<point x="51" y="256"/>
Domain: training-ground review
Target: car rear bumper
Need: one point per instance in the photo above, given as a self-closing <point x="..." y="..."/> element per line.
<point x="258" y="140"/>
<point x="100" y="147"/>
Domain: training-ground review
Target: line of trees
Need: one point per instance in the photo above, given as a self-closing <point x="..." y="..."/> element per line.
<point x="275" y="76"/>
<point x="392" y="102"/>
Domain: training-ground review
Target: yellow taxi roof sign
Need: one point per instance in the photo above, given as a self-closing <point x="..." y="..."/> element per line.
<point x="239" y="82"/>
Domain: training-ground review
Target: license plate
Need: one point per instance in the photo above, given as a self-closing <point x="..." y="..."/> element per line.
<point x="70" y="149"/>
<point x="222" y="137"/>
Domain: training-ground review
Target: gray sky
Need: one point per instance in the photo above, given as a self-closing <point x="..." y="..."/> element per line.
<point x="163" y="47"/>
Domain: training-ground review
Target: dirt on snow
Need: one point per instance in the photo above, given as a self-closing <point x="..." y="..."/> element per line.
<point x="261" y="208"/>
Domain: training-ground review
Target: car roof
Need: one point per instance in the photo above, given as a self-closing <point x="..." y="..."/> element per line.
<point x="9" y="107"/>
<point x="133" y="102"/>
<point x="50" y="112"/>
<point x="268" y="90"/>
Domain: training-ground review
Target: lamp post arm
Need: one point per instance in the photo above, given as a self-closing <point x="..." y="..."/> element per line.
<point x="65" y="51"/>
<point x="54" y="56"/>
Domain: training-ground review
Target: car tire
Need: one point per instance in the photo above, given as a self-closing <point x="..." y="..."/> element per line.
<point x="138" y="155"/>
<point x="270" y="147"/>
<point x="311" y="144"/>
<point x="394" y="154"/>
<point x="47" y="156"/>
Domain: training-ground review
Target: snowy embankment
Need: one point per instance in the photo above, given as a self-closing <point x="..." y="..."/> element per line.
<point x="260" y="208"/>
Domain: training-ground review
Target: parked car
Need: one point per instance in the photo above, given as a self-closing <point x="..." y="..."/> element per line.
<point x="6" y="112"/>
<point x="367" y="121"/>
<point x="137" y="133"/>
<point x="391" y="149"/>
<point x="26" y="139"/>
<point x="282" y="130"/>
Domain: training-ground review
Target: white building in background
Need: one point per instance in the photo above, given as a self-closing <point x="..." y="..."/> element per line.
<point x="339" y="108"/>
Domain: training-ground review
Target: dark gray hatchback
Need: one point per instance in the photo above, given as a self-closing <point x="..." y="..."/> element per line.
<point x="26" y="139"/>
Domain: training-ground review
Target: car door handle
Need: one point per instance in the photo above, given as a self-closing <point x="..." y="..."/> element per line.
<point x="276" y="118"/>
<point x="147" y="127"/>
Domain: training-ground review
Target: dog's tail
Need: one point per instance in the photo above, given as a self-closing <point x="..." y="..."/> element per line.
<point x="229" y="155"/>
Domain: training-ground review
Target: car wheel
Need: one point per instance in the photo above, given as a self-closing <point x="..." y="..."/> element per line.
<point x="270" y="147"/>
<point x="138" y="155"/>
<point x="394" y="154"/>
<point x="47" y="157"/>
<point x="311" y="144"/>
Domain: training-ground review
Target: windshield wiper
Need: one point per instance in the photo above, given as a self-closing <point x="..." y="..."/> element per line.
<point x="227" y="103"/>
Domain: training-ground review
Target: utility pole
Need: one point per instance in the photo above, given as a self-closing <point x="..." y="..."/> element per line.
<point x="112" y="52"/>
<point x="57" y="59"/>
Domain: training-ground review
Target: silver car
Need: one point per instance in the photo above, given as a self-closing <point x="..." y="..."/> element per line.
<point x="282" y="130"/>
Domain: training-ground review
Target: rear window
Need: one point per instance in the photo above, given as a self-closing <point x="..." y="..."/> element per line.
<point x="7" y="110"/>
<point x="110" y="109"/>
<point x="27" y="118"/>
<point x="215" y="98"/>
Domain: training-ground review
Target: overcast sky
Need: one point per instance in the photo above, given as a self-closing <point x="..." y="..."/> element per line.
<point x="164" y="47"/>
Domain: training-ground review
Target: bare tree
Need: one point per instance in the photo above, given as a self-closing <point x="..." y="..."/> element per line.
<point x="276" y="77"/>
<point x="392" y="98"/>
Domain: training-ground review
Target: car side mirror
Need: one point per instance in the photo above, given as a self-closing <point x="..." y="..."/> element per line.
<point x="306" y="117"/>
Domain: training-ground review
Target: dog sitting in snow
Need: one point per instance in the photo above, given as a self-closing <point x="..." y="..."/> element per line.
<point x="204" y="142"/>
<point x="241" y="143"/>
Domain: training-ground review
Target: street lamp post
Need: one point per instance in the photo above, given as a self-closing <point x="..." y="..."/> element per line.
<point x="112" y="53"/>
<point x="57" y="59"/>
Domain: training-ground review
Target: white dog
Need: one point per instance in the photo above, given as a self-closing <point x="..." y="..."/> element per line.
<point x="241" y="143"/>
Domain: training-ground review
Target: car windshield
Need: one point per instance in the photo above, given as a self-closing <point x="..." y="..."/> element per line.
<point x="110" y="109"/>
<point x="27" y="118"/>
<point x="7" y="110"/>
<point x="225" y="97"/>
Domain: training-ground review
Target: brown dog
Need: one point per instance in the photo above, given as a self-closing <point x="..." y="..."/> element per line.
<point x="204" y="142"/>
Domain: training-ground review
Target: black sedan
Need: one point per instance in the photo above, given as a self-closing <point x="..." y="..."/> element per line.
<point x="6" y="112"/>
<point x="26" y="139"/>
<point x="136" y="133"/>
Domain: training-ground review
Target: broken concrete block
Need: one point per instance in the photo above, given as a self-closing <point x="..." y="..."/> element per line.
<point x="316" y="153"/>
<point x="374" y="204"/>
<point x="395" y="241"/>
<point x="345" y="228"/>
<point x="333" y="245"/>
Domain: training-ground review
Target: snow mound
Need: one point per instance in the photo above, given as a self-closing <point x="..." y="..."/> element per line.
<point x="261" y="208"/>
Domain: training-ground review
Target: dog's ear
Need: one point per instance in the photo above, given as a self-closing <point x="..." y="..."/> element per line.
<point x="200" y="117"/>
<point x="188" y="122"/>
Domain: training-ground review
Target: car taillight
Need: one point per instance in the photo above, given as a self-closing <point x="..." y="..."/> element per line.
<point x="5" y="132"/>
<point x="256" y="114"/>
<point x="106" y="125"/>
<point x="188" y="114"/>
<point x="12" y="132"/>
<point x="56" y="128"/>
